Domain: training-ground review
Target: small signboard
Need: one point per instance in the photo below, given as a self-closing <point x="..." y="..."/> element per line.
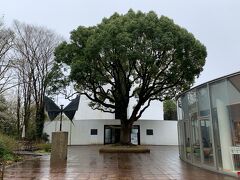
<point x="235" y="150"/>
<point x="134" y="136"/>
<point x="235" y="156"/>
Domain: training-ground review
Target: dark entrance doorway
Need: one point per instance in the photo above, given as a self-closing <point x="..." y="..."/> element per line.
<point x="112" y="134"/>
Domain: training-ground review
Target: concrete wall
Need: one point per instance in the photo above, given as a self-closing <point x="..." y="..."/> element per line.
<point x="164" y="132"/>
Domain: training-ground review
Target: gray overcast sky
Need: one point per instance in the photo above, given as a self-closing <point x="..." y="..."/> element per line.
<point x="216" y="23"/>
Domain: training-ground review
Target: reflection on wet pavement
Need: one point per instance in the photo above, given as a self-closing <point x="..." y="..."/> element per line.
<point x="85" y="162"/>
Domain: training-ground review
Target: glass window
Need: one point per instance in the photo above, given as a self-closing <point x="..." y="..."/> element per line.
<point x="112" y="134"/>
<point x="207" y="149"/>
<point x="192" y="103"/>
<point x="221" y="124"/>
<point x="234" y="107"/>
<point x="179" y="110"/>
<point x="194" y="127"/>
<point x="108" y="136"/>
<point x="134" y="136"/>
<point x="203" y="102"/>
<point x="184" y="104"/>
<point x="149" y="131"/>
<point x="205" y="126"/>
<point x="188" y="148"/>
<point x="234" y="114"/>
<point x="94" y="131"/>
<point x="180" y="138"/>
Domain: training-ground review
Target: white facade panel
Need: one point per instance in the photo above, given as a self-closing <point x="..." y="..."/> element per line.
<point x="164" y="132"/>
<point x="153" y="112"/>
<point x="85" y="112"/>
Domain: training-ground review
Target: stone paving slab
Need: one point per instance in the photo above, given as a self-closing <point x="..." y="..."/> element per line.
<point x="86" y="163"/>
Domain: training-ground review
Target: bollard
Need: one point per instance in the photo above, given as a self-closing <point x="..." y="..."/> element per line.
<point x="59" y="147"/>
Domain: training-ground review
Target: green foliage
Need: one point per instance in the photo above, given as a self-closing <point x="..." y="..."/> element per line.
<point x="7" y="121"/>
<point x="7" y="146"/>
<point x="31" y="132"/>
<point x="43" y="147"/>
<point x="136" y="55"/>
<point x="56" y="79"/>
<point x="9" y="142"/>
<point x="170" y="110"/>
<point x="3" y="150"/>
<point x="45" y="137"/>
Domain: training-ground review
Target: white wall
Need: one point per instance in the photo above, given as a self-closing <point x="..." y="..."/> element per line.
<point x="154" y="111"/>
<point x="84" y="112"/>
<point x="164" y="132"/>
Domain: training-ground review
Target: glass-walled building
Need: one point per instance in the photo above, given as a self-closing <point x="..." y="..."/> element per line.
<point x="209" y="125"/>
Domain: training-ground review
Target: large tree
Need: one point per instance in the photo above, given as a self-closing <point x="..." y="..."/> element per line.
<point x="136" y="55"/>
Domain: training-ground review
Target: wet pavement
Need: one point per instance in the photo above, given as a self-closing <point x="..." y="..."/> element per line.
<point x="85" y="162"/>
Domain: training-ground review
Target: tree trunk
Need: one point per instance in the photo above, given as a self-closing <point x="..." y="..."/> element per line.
<point x="26" y="118"/>
<point x="126" y="125"/>
<point x="18" y="113"/>
<point x="120" y="111"/>
<point x="125" y="133"/>
<point x="39" y="121"/>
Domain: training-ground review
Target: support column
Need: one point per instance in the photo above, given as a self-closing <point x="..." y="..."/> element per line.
<point x="225" y="134"/>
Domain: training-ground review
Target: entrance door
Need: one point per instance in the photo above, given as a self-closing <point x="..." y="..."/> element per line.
<point x="112" y="134"/>
<point x="115" y="135"/>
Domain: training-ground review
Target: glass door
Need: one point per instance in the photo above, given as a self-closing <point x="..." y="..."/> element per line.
<point x="188" y="149"/>
<point x="207" y="148"/>
<point x="196" y="140"/>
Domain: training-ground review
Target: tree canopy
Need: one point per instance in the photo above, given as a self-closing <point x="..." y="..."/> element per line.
<point x="135" y="55"/>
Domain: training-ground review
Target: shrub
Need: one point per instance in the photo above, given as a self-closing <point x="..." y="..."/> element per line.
<point x="8" y="142"/>
<point x="5" y="152"/>
<point x="45" y="137"/>
<point x="46" y="147"/>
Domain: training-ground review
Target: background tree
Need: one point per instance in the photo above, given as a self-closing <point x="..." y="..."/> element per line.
<point x="170" y="110"/>
<point x="34" y="48"/>
<point x="7" y="120"/>
<point x="136" y="55"/>
<point x="6" y="43"/>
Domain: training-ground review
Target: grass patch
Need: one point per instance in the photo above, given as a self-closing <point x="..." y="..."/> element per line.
<point x="43" y="148"/>
<point x="116" y="148"/>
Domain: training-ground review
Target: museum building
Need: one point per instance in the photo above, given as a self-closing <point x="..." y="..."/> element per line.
<point x="209" y="125"/>
<point x="96" y="127"/>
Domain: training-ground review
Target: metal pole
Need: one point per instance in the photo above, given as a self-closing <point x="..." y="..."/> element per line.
<point x="61" y="117"/>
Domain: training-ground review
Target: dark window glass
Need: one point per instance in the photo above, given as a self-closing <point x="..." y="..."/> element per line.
<point x="149" y="132"/>
<point x="93" y="131"/>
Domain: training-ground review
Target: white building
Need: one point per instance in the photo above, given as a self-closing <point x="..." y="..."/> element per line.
<point x="96" y="127"/>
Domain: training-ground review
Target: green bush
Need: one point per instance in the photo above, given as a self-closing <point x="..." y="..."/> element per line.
<point x="8" y="142"/>
<point x="45" y="137"/>
<point x="7" y="146"/>
<point x="3" y="150"/>
<point x="46" y="147"/>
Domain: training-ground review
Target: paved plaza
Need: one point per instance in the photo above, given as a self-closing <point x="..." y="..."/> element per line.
<point x="85" y="162"/>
